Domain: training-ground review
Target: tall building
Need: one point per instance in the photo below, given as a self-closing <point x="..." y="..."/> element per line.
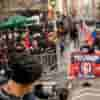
<point x="78" y="7"/>
<point x="83" y="7"/>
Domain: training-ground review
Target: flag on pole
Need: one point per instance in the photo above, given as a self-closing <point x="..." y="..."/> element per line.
<point x="86" y="35"/>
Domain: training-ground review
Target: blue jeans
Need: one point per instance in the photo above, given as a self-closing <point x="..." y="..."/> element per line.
<point x="29" y="96"/>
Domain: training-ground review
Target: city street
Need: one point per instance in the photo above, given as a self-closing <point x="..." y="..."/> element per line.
<point x="49" y="49"/>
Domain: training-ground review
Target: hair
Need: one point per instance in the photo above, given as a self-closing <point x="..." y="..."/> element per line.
<point x="25" y="69"/>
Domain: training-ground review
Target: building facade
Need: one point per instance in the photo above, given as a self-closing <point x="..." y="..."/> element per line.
<point x="97" y="11"/>
<point x="78" y="7"/>
<point x="11" y="6"/>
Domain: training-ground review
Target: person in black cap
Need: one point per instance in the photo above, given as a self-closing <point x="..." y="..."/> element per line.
<point x="25" y="72"/>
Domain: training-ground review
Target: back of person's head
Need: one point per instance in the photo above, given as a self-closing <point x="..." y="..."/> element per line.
<point x="26" y="69"/>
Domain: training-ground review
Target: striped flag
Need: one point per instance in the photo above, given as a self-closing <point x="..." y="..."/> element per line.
<point x="83" y="31"/>
<point x="87" y="36"/>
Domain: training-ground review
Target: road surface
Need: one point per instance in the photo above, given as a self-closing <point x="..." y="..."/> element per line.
<point x="85" y="93"/>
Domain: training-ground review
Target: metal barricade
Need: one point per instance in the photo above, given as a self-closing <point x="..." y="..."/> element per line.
<point x="48" y="60"/>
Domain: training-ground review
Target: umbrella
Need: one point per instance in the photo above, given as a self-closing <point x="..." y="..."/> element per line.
<point x="3" y="25"/>
<point x="16" y="20"/>
<point x="32" y="19"/>
<point x="20" y="21"/>
<point x="12" y="22"/>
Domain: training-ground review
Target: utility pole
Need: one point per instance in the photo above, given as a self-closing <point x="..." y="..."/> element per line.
<point x="64" y="7"/>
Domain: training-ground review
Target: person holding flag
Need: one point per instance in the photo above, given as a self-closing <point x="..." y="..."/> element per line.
<point x="87" y="34"/>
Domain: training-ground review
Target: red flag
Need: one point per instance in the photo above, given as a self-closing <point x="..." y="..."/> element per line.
<point x="27" y="41"/>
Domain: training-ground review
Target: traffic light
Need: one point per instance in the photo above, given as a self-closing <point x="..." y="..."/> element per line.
<point x="53" y="3"/>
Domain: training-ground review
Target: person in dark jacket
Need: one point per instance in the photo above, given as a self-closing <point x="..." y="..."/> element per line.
<point x="25" y="72"/>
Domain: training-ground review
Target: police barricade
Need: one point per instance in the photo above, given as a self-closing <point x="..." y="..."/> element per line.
<point x="48" y="60"/>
